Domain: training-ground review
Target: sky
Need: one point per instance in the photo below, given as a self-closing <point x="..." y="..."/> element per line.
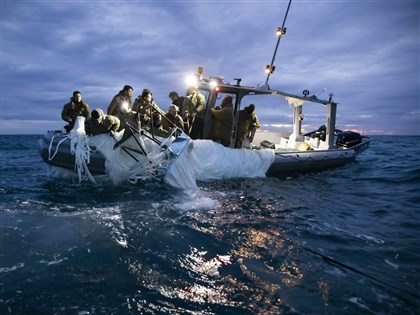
<point x="365" y="52"/>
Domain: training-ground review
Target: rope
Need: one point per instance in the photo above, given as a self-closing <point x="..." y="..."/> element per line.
<point x="57" y="147"/>
<point x="80" y="148"/>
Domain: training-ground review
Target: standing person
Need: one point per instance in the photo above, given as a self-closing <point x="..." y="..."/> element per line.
<point x="177" y="100"/>
<point x="172" y="119"/>
<point x="144" y="106"/>
<point x="193" y="112"/>
<point x="76" y="107"/>
<point x="223" y="122"/>
<point x="247" y="124"/>
<point x="120" y="105"/>
<point x="254" y="124"/>
<point x="98" y="123"/>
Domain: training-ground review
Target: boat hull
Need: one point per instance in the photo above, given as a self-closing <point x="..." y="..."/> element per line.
<point x="309" y="161"/>
<point x="54" y="148"/>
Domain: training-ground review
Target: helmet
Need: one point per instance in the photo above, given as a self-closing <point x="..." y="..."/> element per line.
<point x="97" y="114"/>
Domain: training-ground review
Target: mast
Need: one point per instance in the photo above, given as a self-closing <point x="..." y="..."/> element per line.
<point x="280" y="32"/>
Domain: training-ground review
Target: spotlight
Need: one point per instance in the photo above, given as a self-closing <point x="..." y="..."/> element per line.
<point x="269" y="69"/>
<point x="281" y="31"/>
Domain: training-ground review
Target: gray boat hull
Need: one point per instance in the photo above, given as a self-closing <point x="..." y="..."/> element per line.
<point x="54" y="148"/>
<point x="309" y="161"/>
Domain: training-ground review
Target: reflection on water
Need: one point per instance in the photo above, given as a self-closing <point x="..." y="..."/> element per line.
<point x="234" y="247"/>
<point x="249" y="273"/>
<point x="203" y="284"/>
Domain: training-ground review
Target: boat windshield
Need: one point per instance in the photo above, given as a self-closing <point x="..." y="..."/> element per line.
<point x="221" y="96"/>
<point x="275" y="115"/>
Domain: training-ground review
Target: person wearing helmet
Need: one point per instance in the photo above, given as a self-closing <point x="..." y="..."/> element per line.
<point x="99" y="123"/>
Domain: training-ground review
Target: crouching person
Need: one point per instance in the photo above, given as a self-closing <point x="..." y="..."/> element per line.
<point x="172" y="119"/>
<point x="98" y="123"/>
<point x="154" y="126"/>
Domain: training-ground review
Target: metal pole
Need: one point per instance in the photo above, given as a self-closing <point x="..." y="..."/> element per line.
<point x="277" y="45"/>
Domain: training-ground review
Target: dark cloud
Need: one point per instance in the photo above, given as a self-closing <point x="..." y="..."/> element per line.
<point x="365" y="52"/>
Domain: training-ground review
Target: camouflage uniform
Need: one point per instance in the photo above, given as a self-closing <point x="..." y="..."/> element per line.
<point x="169" y="121"/>
<point x="222" y="124"/>
<point x="72" y="109"/>
<point x="155" y="127"/>
<point x="120" y="107"/>
<point x="247" y="122"/>
<point x="177" y="100"/>
<point x="105" y="124"/>
<point x="157" y="130"/>
<point x="144" y="109"/>
<point x="194" y="105"/>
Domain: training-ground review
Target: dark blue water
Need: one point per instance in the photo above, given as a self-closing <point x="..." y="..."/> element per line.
<point x="344" y="241"/>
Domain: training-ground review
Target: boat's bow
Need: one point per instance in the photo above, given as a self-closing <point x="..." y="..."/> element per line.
<point x="141" y="156"/>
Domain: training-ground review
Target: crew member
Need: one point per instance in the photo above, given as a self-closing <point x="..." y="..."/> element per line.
<point x="76" y="107"/>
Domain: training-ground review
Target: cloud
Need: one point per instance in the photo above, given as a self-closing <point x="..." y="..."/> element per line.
<point x="366" y="53"/>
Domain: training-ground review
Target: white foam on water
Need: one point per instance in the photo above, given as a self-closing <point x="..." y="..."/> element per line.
<point x="111" y="218"/>
<point x="200" y="203"/>
<point x="197" y="200"/>
<point x="358" y="302"/>
<point x="371" y="239"/>
<point x="60" y="173"/>
<point x="55" y="260"/>
<point x="395" y="266"/>
<point x="13" y="268"/>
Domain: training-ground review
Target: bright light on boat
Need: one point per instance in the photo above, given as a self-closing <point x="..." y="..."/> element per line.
<point x="213" y="84"/>
<point x="269" y="69"/>
<point x="281" y="31"/>
<point x="124" y="106"/>
<point x="191" y="80"/>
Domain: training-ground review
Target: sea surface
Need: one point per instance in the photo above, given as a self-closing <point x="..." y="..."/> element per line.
<point x="342" y="241"/>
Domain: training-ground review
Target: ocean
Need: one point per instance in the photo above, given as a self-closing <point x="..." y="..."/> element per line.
<point x="342" y="241"/>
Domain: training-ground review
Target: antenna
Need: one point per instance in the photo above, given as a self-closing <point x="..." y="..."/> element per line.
<point x="280" y="32"/>
<point x="321" y="92"/>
